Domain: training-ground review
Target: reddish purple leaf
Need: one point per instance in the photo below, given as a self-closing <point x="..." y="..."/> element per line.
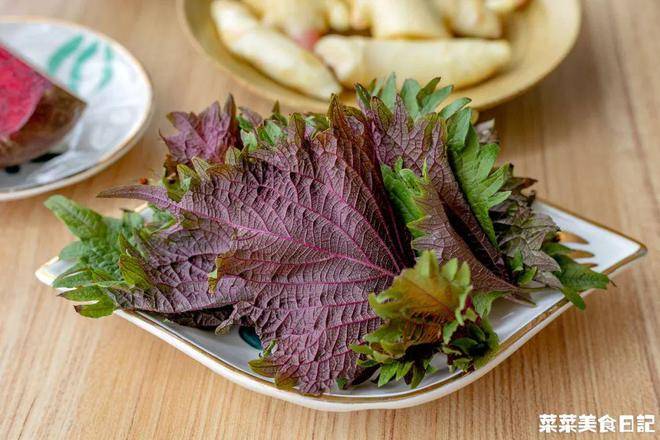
<point x="442" y="239"/>
<point x="312" y="234"/>
<point x="207" y="136"/>
<point x="203" y="319"/>
<point x="169" y="272"/>
<point x="420" y="144"/>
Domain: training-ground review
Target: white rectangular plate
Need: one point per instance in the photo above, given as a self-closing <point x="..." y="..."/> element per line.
<point x="515" y="324"/>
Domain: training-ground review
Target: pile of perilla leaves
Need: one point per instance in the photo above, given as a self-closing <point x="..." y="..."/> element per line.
<point x="357" y="244"/>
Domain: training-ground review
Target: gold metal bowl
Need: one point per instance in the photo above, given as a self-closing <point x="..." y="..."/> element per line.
<point x="541" y="36"/>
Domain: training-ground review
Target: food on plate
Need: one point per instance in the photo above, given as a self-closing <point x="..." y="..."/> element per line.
<point x="359" y="14"/>
<point x="505" y="7"/>
<point x="304" y="21"/>
<point x="408" y="37"/>
<point x="339" y="15"/>
<point x="463" y="62"/>
<point x="357" y="244"/>
<point x="470" y="18"/>
<point x="271" y="51"/>
<point x="403" y="19"/>
<point x="35" y="113"/>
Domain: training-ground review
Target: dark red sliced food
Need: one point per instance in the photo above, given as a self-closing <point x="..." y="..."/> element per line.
<point x="35" y="113"/>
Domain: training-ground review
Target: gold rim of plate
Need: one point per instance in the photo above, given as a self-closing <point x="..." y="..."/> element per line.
<point x="109" y="157"/>
<point x="513" y="339"/>
<point x="541" y="34"/>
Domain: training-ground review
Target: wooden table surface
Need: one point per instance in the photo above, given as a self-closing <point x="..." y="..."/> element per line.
<point x="590" y="132"/>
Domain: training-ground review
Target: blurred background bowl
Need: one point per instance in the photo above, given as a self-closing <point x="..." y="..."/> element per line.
<point x="541" y="35"/>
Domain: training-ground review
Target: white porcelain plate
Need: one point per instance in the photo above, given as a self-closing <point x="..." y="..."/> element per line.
<point x="105" y="75"/>
<point x="228" y="355"/>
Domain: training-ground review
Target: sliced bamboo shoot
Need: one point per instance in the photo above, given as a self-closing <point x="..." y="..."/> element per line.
<point x="470" y="18"/>
<point x="392" y="19"/>
<point x="272" y="52"/>
<point x="461" y="62"/>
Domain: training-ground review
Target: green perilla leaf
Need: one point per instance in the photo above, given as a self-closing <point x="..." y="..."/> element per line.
<point x="473" y="165"/>
<point x="577" y="278"/>
<point x="425" y="311"/>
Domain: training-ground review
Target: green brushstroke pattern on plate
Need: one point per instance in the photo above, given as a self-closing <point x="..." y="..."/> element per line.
<point x="71" y="48"/>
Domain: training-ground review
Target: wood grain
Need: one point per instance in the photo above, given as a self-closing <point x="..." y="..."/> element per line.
<point x="590" y="134"/>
